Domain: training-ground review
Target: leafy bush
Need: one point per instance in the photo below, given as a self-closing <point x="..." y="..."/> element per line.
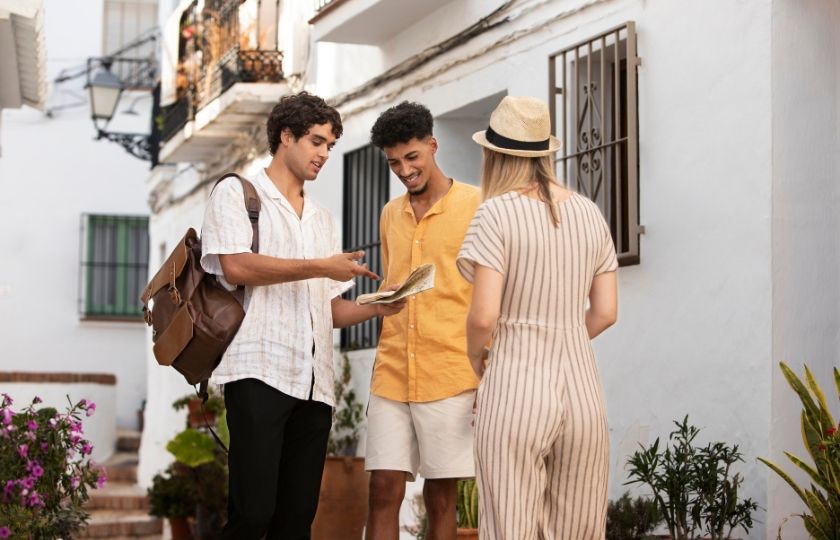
<point x="629" y="519"/>
<point x="694" y="487"/>
<point x="344" y="436"/>
<point x="45" y="470"/>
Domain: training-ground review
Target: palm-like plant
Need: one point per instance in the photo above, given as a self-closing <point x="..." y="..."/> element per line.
<point x="822" y="441"/>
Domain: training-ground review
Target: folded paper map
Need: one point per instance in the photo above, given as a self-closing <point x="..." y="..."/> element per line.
<point x="422" y="279"/>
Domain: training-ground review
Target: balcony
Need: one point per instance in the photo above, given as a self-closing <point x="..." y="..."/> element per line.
<point x="227" y="77"/>
<point x="367" y="22"/>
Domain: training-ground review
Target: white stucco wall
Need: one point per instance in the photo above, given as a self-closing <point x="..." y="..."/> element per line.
<point x="806" y="249"/>
<point x="694" y="330"/>
<point x="52" y="171"/>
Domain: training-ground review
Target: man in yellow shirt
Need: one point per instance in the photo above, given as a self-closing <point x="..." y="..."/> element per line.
<point x="420" y="411"/>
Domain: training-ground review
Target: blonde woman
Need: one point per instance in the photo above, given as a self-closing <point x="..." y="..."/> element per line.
<point x="535" y="253"/>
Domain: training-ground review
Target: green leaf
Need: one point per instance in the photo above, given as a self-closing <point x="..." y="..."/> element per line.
<point x="192" y="448"/>
<point x="224" y="432"/>
<point x="778" y="470"/>
<point x="799" y="388"/>
<point x="813" y="473"/>
<point x="825" y="414"/>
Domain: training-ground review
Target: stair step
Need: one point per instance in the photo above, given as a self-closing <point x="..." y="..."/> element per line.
<point x="118" y="496"/>
<point x="119" y="524"/>
<point x="128" y="441"/>
<point x="122" y="467"/>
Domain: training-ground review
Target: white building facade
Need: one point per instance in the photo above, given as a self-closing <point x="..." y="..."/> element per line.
<point x="74" y="221"/>
<point x="713" y="155"/>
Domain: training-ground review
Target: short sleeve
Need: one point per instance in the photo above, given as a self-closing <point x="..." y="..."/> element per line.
<point x="226" y="229"/>
<point x="607" y="260"/>
<point x="337" y="288"/>
<point x="483" y="244"/>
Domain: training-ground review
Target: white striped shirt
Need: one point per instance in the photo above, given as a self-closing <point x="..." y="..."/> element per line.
<point x="282" y="321"/>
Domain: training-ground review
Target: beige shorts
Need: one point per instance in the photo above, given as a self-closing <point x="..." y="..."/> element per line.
<point x="434" y="439"/>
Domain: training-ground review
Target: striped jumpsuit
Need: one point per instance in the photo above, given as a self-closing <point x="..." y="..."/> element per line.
<point x="541" y="440"/>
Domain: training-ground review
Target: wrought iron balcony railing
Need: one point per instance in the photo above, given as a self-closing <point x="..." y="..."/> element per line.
<point x="212" y="59"/>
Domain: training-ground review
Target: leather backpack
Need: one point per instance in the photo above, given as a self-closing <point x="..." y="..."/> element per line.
<point x="193" y="317"/>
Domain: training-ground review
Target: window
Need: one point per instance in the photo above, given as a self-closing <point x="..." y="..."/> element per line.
<point x="595" y="111"/>
<point x="366" y="177"/>
<point x="114" y="266"/>
<point x="124" y="22"/>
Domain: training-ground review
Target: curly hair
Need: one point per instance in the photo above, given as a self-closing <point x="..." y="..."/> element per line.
<point x="298" y="113"/>
<point x="400" y="124"/>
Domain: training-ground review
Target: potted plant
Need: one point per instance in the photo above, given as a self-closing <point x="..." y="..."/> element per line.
<point x="45" y="470"/>
<point x="204" y="464"/>
<point x="632" y="519"/>
<point x="195" y="417"/>
<point x="694" y="487"/>
<point x="172" y="496"/>
<point x="821" y="438"/>
<point x="343" y="503"/>
<point x="466" y="510"/>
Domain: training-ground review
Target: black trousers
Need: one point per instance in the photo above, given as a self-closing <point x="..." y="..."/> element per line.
<point x="277" y="449"/>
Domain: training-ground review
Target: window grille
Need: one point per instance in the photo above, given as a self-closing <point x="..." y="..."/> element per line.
<point x="593" y="100"/>
<point x="366" y="179"/>
<point x="114" y="260"/>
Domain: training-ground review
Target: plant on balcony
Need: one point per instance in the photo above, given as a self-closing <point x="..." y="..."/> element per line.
<point x="45" y="470"/>
<point x="694" y="487"/>
<point x="172" y="496"/>
<point x="821" y="437"/>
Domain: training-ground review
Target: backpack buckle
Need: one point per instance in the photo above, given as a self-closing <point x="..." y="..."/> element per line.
<point x="175" y="295"/>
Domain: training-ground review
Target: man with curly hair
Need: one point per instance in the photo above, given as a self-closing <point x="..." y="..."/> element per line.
<point x="422" y="392"/>
<point x="277" y="373"/>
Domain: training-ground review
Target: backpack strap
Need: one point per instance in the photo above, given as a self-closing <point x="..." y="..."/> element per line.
<point x="252" y="205"/>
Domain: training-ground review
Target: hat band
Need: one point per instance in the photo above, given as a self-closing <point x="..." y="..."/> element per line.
<point x="512" y="144"/>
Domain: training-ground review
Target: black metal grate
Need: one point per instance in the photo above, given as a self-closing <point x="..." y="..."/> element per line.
<point x="593" y="101"/>
<point x="366" y="177"/>
<point x="114" y="261"/>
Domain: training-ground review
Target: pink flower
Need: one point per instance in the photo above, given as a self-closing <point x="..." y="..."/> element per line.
<point x="37" y="471"/>
<point x="86" y="449"/>
<point x="28" y="483"/>
<point x="7" y="416"/>
<point x="75" y="437"/>
<point x="74" y="482"/>
<point x="37" y="400"/>
<point x="23" y="450"/>
<point x="5" y="532"/>
<point x="32" y="425"/>
<point x="91" y="409"/>
<point x="35" y="500"/>
<point x="101" y="479"/>
<point x="44" y="446"/>
<point x="7" y="399"/>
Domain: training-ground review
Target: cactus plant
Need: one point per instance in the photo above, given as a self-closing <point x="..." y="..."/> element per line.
<point x="467" y="508"/>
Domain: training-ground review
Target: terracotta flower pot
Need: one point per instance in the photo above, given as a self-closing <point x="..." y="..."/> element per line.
<point x="467" y="534"/>
<point x="343" y="504"/>
<point x="195" y="417"/>
<point x="180" y="528"/>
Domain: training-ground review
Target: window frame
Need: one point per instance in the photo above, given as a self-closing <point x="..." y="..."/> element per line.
<point x="124" y="296"/>
<point x="367" y="188"/>
<point x="591" y="150"/>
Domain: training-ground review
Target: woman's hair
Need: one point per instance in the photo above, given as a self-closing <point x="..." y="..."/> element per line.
<point x="502" y="173"/>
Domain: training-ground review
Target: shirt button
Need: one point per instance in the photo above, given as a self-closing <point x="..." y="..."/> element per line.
<point x="417" y="241"/>
<point x="412" y="355"/>
<point x="411" y="326"/>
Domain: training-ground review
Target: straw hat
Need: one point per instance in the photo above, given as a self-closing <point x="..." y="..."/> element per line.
<point x="520" y="126"/>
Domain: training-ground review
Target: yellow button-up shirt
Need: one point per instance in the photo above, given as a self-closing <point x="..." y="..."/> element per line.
<point x="422" y="353"/>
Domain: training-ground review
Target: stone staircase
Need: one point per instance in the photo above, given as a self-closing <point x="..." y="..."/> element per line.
<point x="120" y="509"/>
